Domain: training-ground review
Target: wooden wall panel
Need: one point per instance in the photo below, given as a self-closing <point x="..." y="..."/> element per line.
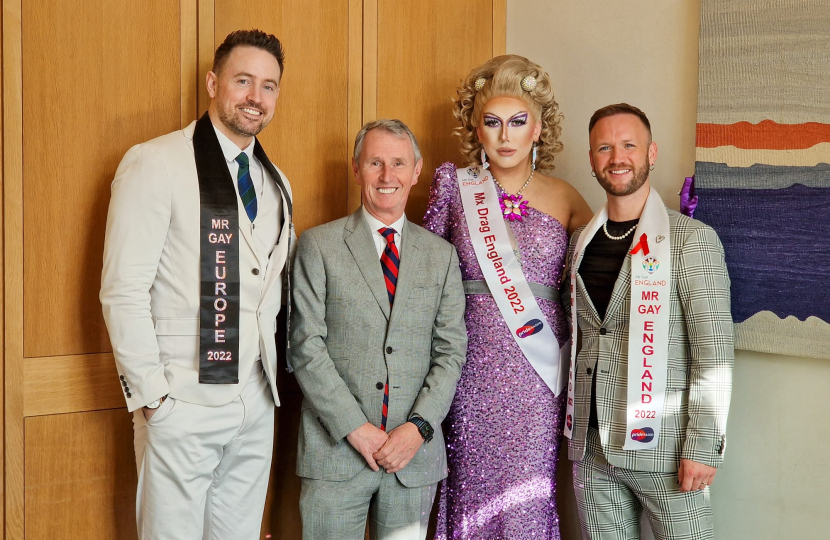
<point x="80" y="476"/>
<point x="308" y="137"/>
<point x="425" y="48"/>
<point x="100" y="76"/>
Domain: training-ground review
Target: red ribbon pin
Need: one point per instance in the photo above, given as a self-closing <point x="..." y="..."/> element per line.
<point x="642" y="244"/>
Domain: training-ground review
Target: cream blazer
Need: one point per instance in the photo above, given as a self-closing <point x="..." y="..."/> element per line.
<point x="150" y="279"/>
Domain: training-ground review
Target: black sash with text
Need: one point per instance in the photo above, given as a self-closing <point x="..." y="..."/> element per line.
<point x="219" y="261"/>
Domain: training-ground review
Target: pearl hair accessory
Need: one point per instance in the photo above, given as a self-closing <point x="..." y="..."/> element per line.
<point x="529" y="83"/>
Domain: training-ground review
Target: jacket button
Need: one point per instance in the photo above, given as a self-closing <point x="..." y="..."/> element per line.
<point x="129" y="395"/>
<point x="123" y="378"/>
<point x="602" y="331"/>
<point x="388" y="350"/>
<point x="589" y="371"/>
<point x="379" y="386"/>
<point x="124" y="383"/>
<point x="255" y="271"/>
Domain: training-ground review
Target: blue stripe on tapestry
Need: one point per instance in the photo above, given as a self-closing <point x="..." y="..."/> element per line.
<point x="776" y="248"/>
<point x="718" y="175"/>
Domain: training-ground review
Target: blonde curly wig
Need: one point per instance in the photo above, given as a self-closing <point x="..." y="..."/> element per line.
<point x="504" y="76"/>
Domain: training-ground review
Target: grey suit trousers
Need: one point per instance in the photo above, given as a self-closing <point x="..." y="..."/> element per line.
<point x="337" y="510"/>
<point x="611" y="500"/>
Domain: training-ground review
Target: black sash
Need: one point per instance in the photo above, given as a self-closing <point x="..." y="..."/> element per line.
<point x="219" y="257"/>
<point x="219" y="244"/>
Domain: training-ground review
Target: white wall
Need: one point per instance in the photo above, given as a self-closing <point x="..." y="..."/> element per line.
<point x="774" y="483"/>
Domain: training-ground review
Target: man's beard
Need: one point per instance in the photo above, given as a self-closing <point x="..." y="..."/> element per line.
<point x="640" y="175"/>
<point x="229" y="118"/>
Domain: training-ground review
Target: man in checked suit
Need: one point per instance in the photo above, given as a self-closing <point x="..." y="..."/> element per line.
<point x="670" y="480"/>
<point x="197" y="251"/>
<point x="377" y="343"/>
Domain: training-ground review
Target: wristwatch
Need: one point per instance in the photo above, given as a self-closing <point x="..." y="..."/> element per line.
<point x="424" y="427"/>
<point x="156" y="404"/>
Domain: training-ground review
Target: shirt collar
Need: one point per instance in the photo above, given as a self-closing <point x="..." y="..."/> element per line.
<point x="375" y="223"/>
<point x="229" y="148"/>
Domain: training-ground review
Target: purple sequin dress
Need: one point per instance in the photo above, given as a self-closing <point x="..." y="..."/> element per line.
<point x="505" y="425"/>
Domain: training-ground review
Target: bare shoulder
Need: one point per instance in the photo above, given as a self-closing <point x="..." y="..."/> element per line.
<point x="563" y="188"/>
<point x="565" y="201"/>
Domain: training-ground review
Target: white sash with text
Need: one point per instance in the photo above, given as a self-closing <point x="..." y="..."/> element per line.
<point x="504" y="276"/>
<point x="648" y="328"/>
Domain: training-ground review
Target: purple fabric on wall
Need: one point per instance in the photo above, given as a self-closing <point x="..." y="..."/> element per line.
<point x="777" y="244"/>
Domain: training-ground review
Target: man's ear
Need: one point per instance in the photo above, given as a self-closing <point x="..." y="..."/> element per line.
<point x="354" y="170"/>
<point x="418" y="167"/>
<point x="211" y="82"/>
<point x="652" y="154"/>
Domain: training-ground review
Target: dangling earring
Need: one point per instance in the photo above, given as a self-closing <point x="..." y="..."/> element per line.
<point x="651" y="168"/>
<point x="484" y="159"/>
<point x="533" y="163"/>
<point x="593" y="174"/>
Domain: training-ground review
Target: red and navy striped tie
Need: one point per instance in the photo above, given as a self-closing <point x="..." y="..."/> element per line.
<point x="389" y="262"/>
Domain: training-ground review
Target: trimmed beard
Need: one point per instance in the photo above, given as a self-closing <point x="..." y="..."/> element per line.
<point x="228" y="117"/>
<point x="632" y="186"/>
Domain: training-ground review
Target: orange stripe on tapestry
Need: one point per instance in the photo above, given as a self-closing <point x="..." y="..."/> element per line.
<point x="765" y="135"/>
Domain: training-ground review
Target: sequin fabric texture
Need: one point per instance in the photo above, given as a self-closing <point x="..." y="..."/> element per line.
<point x="505" y="425"/>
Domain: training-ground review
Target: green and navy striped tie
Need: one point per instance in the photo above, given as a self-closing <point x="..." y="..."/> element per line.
<point x="246" y="187"/>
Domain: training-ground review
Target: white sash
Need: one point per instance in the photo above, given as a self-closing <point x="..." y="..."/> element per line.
<point x="505" y="278"/>
<point x="648" y="328"/>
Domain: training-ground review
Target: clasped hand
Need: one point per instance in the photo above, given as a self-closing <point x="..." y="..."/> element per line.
<point x="392" y="451"/>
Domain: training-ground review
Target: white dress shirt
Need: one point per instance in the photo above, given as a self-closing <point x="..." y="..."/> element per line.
<point x="380" y="241"/>
<point x="266" y="227"/>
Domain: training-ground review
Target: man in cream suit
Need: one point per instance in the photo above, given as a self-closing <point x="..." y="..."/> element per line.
<point x="378" y="340"/>
<point x="650" y="387"/>
<point x="197" y="252"/>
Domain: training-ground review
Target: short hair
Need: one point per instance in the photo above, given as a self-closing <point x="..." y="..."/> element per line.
<point x="248" y="38"/>
<point x="395" y="127"/>
<point x="614" y="110"/>
<point x="503" y="77"/>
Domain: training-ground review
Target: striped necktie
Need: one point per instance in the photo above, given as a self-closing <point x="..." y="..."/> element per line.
<point x="389" y="262"/>
<point x="246" y="187"/>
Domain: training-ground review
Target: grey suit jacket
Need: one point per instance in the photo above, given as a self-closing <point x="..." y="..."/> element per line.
<point x="345" y="340"/>
<point x="700" y="360"/>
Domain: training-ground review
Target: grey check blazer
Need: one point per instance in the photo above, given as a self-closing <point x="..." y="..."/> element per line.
<point x="345" y="340"/>
<point x="701" y="357"/>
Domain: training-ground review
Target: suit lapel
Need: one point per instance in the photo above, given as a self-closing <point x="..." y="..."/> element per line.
<point x="581" y="291"/>
<point x="359" y="240"/>
<point x="622" y="289"/>
<point x="586" y="300"/>
<point x="411" y="262"/>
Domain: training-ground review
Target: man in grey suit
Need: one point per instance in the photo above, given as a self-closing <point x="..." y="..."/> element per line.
<point x="650" y="387"/>
<point x="377" y="343"/>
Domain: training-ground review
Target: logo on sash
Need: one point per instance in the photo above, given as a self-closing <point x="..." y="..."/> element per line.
<point x="643" y="435"/>
<point x="569" y="421"/>
<point x="533" y="326"/>
<point x="650" y="264"/>
<point x="474" y="171"/>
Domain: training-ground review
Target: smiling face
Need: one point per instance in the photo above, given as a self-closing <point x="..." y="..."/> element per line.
<point x="244" y="93"/>
<point x="507" y="131"/>
<point x="621" y="154"/>
<point x="385" y="171"/>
